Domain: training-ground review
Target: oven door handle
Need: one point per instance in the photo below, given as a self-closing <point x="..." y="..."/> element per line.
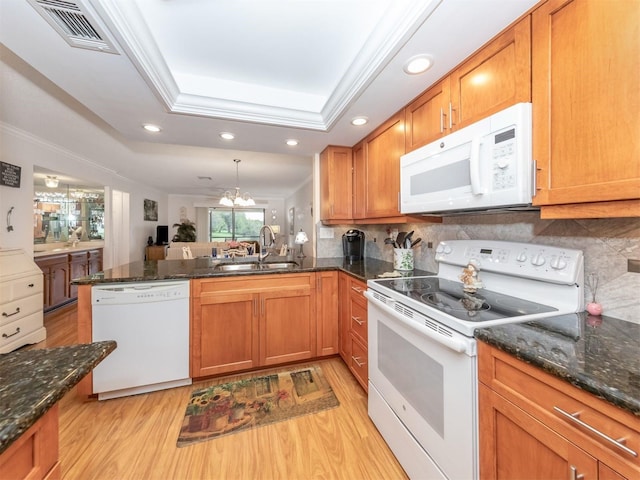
<point x="452" y="343"/>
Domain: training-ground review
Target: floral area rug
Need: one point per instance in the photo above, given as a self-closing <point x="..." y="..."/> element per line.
<point x="232" y="407"/>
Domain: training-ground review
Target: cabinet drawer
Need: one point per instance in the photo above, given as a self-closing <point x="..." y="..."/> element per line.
<point x="20" y="288"/>
<point x="587" y="421"/>
<point x="12" y="311"/>
<point x="358" y="363"/>
<point x="12" y="331"/>
<point x="357" y="293"/>
<point x="358" y="321"/>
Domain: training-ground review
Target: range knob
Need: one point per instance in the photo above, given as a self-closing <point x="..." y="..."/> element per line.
<point x="443" y="248"/>
<point x="558" y="263"/>
<point x="537" y="260"/>
<point x="522" y="257"/>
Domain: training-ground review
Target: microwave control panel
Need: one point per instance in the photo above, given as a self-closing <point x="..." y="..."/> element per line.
<point x="503" y="155"/>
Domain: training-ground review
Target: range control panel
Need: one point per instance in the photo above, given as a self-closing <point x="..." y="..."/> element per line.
<point x="541" y="262"/>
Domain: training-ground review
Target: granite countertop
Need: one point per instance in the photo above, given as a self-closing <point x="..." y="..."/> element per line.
<point x="204" y="267"/>
<point x="32" y="381"/>
<point x="598" y="354"/>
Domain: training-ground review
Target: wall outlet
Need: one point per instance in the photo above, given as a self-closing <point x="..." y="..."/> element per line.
<point x="326" y="232"/>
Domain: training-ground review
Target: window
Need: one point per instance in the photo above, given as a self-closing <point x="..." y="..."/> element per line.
<point x="227" y="224"/>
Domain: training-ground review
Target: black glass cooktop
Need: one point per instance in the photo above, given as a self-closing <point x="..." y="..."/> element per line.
<point x="448" y="297"/>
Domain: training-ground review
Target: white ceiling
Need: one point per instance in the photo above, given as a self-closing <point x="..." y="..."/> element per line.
<point x="266" y="70"/>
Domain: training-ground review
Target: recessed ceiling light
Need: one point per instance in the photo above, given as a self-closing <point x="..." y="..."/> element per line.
<point x="151" y="128"/>
<point x="418" y="64"/>
<point x="227" y="135"/>
<point x="292" y="142"/>
<point x="358" y="121"/>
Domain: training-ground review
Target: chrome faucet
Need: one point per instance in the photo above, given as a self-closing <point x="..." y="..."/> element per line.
<point x="262" y="239"/>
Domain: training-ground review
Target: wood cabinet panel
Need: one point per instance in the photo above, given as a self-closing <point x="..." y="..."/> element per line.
<point x="427" y="117"/>
<point x="586" y="141"/>
<point x="353" y="327"/>
<point x="224" y="334"/>
<point x="327" y="311"/>
<point x="287" y="326"/>
<point x="155" y="252"/>
<point x="239" y="323"/>
<point x="533" y="399"/>
<point x="336" y="171"/>
<point x="55" y="270"/>
<point x="496" y="77"/>
<point x="78" y="267"/>
<point x="383" y="149"/>
<point x="35" y="454"/>
<point x="344" y="286"/>
<point x="359" y="180"/>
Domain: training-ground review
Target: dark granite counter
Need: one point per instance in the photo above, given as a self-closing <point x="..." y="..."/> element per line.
<point x="32" y="381"/>
<point x="204" y="267"/>
<point x="600" y="355"/>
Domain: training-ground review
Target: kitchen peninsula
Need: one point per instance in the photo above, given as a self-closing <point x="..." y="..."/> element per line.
<point x="31" y="384"/>
<point x="285" y="310"/>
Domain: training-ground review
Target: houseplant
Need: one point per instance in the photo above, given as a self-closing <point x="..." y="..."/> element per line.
<point x="186" y="231"/>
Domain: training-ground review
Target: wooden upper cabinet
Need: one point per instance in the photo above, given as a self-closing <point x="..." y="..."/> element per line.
<point x="336" y="172"/>
<point x="494" y="78"/>
<point x="383" y="149"/>
<point x="427" y="117"/>
<point x="359" y="180"/>
<point x="586" y="99"/>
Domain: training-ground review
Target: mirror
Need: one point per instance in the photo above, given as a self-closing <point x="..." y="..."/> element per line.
<point x="66" y="209"/>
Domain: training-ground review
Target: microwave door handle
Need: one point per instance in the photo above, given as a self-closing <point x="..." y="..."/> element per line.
<point x="474" y="167"/>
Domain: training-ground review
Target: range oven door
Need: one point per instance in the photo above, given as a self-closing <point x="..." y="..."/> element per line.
<point x="423" y="388"/>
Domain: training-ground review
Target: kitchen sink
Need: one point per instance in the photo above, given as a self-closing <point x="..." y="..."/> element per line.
<point x="250" y="266"/>
<point x="279" y="266"/>
<point x="237" y="267"/>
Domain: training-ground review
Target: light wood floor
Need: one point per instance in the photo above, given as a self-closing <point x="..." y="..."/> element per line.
<point x="135" y="437"/>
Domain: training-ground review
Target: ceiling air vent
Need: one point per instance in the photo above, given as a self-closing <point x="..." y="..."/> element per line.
<point x="70" y="20"/>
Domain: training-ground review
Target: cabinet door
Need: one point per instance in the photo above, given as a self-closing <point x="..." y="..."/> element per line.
<point x="359" y="181"/>
<point x="78" y="267"/>
<point x="427" y="117"/>
<point x="287" y="326"/>
<point x="515" y="445"/>
<point x="327" y="313"/>
<point x="384" y="147"/>
<point x="496" y="77"/>
<point x="95" y="261"/>
<point x="224" y="333"/>
<point x="336" y="183"/>
<point x="586" y="99"/>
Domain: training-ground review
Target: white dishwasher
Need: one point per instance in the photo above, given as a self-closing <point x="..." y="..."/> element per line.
<point x="150" y="323"/>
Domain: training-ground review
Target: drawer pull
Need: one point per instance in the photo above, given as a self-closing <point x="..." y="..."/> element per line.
<point x="574" y="474"/>
<point x="4" y="335"/>
<point x="31" y="285"/>
<point x="357" y="320"/>
<point x="5" y="314"/>
<point x="574" y="418"/>
<point x="356" y="360"/>
<point x="357" y="289"/>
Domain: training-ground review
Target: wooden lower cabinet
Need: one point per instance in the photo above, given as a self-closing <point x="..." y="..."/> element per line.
<point x="238" y="323"/>
<point x="56" y="275"/>
<point x="523" y="434"/>
<point x="35" y="454"/>
<point x="353" y="327"/>
<point x="60" y="269"/>
<point x="327" y="312"/>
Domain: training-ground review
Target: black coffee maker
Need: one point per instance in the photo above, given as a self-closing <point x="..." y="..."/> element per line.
<point x="353" y="245"/>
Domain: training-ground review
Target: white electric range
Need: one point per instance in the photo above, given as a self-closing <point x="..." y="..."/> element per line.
<point x="422" y="354"/>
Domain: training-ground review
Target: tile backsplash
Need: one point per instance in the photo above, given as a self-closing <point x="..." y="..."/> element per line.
<point x="608" y="245"/>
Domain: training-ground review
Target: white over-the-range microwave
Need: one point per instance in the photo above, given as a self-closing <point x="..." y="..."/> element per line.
<point x="485" y="166"/>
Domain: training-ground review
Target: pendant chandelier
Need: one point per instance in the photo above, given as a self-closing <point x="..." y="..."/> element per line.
<point x="236" y="199"/>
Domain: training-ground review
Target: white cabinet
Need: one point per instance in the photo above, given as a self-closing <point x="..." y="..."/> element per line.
<point x="21" y="290"/>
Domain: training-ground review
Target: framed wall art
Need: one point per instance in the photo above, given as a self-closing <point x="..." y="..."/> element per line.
<point x="150" y="210"/>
